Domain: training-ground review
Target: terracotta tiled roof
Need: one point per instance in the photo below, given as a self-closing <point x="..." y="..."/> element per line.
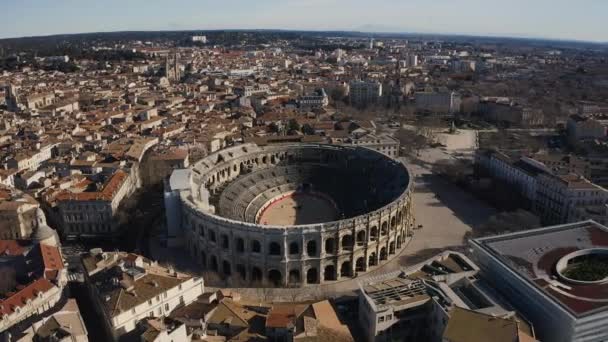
<point x="20" y="298"/>
<point x="12" y="247"/>
<point x="51" y="257"/>
<point x="105" y="195"/>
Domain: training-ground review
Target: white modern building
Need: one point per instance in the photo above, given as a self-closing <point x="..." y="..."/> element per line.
<point x="199" y="39"/>
<point x="534" y="268"/>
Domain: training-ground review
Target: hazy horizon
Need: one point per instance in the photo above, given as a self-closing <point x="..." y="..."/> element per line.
<point x="542" y="19"/>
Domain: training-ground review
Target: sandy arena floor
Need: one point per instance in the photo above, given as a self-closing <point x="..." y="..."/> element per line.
<point x="299" y="209"/>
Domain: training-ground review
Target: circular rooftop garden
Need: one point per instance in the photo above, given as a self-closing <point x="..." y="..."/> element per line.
<point x="586" y="266"/>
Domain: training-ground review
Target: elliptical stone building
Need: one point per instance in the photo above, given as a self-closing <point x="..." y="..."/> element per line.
<point x="219" y="208"/>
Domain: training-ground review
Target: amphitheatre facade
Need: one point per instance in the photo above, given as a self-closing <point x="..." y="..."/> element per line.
<point x="291" y="214"/>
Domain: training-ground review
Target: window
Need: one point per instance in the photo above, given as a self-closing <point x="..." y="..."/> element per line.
<point x="380" y="319"/>
<point x="165" y="295"/>
<point x="150" y="302"/>
<point x="389" y="317"/>
<point x="133" y="311"/>
<point x="179" y="287"/>
<point x="167" y="307"/>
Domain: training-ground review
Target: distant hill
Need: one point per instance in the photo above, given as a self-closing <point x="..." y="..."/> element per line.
<point x="52" y="43"/>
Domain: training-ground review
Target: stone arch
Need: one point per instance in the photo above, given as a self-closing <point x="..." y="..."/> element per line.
<point x="373" y="233"/>
<point x="264" y="159"/>
<point x="240" y="245"/>
<point x="273" y="159"/>
<point x="329" y="273"/>
<point x="393" y="222"/>
<point x="391" y="248"/>
<point x="384" y="229"/>
<point x="213" y="263"/>
<point x="347" y="242"/>
<point x="372" y="260"/>
<point x="241" y="271"/>
<point x="294" y="248"/>
<point x="225" y="241"/>
<point x="256" y="246"/>
<point x="361" y="237"/>
<point x="383" y="255"/>
<point x="311" y="276"/>
<point x="345" y="269"/>
<point x="311" y="248"/>
<point x="294" y="277"/>
<point x="399" y="215"/>
<point x="274" y="248"/>
<point x="275" y="277"/>
<point x="203" y="259"/>
<point x="360" y="264"/>
<point x="226" y="268"/>
<point x="330" y="246"/>
<point x="256" y="275"/>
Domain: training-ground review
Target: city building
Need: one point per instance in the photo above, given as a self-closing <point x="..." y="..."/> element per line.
<point x="537" y="269"/>
<point x="382" y="143"/>
<point x="442" y="102"/>
<point x="558" y="195"/>
<point x="222" y="315"/>
<point x="173" y="71"/>
<point x="364" y="93"/>
<point x="474" y="326"/>
<point x="250" y="90"/>
<point x="31" y="160"/>
<point x="505" y="110"/>
<point x="17" y="214"/>
<point x="584" y="127"/>
<point x="92" y="213"/>
<point x="317" y="100"/>
<point x="127" y="289"/>
<point x="33" y="276"/>
<point x="519" y="171"/>
<point x="65" y="324"/>
<point x="199" y="39"/>
<point x="164" y="329"/>
<point x="424" y="303"/>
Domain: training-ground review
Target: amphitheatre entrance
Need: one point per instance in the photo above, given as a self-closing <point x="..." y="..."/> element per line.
<point x="298" y="208"/>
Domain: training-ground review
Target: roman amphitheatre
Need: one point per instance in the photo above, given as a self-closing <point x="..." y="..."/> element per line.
<point x="293" y="214"/>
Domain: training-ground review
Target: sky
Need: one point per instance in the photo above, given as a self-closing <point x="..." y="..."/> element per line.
<point x="555" y="19"/>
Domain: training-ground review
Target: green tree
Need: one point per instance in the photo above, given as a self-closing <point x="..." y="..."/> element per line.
<point x="293" y="126"/>
<point x="308" y="130"/>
